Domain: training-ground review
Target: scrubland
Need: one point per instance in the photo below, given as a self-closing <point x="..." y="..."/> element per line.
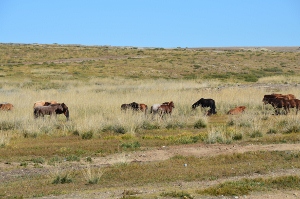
<point x="58" y="157"/>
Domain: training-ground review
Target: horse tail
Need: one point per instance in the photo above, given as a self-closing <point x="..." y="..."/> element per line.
<point x="213" y="107"/>
<point x="151" y="109"/>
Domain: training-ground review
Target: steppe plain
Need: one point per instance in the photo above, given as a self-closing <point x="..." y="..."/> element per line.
<point x="103" y="152"/>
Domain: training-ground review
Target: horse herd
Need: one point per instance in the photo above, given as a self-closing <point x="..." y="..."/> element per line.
<point x="277" y="101"/>
<point x="167" y="107"/>
<point x="284" y="102"/>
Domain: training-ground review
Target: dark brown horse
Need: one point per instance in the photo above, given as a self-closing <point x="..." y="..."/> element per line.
<point x="65" y="110"/>
<point x="135" y="107"/>
<point x="52" y="109"/>
<point x="166" y="108"/>
<point x="6" y="106"/>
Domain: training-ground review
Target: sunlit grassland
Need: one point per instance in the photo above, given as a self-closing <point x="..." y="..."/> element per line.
<point x="95" y="81"/>
<point x="95" y="115"/>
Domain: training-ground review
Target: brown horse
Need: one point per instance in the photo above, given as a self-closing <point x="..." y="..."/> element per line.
<point x="236" y="110"/>
<point x="65" y="110"/>
<point x="135" y="107"/>
<point x="52" y="109"/>
<point x="166" y="108"/>
<point x="6" y="106"/>
<point x="143" y="108"/>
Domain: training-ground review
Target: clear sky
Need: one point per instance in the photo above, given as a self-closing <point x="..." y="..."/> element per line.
<point x="152" y="23"/>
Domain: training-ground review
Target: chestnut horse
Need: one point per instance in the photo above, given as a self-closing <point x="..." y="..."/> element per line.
<point x="143" y="108"/>
<point x="166" y="108"/>
<point x="154" y="108"/>
<point x="6" y="106"/>
<point x="44" y="103"/>
<point x="236" y="110"/>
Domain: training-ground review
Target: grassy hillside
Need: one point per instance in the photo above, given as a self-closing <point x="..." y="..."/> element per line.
<point x="39" y="63"/>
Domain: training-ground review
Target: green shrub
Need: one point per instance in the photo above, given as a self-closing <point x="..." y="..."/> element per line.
<point x="177" y="194"/>
<point x="174" y="125"/>
<point x="230" y="123"/>
<point x="200" y="124"/>
<point x="237" y="136"/>
<point x="76" y="132"/>
<point x="131" y="145"/>
<point x="89" y="159"/>
<point x="250" y="78"/>
<point x="150" y="126"/>
<point x="292" y="129"/>
<point x="116" y="129"/>
<point x="120" y="129"/>
<point x="62" y="180"/>
<point x="87" y="135"/>
<point x="38" y="160"/>
<point x="73" y="158"/>
<point x="256" y="134"/>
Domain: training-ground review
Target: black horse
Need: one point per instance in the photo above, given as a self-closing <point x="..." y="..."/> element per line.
<point x="206" y="103"/>
<point x="134" y="106"/>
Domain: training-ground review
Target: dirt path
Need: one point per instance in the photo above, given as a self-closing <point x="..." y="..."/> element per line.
<point x="198" y="150"/>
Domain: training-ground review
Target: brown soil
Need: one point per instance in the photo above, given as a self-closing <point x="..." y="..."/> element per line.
<point x="12" y="171"/>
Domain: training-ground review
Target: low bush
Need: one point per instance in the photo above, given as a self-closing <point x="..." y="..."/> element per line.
<point x="177" y="194"/>
<point x="200" y="124"/>
<point x="62" y="179"/>
<point x="131" y="145"/>
<point x="87" y="135"/>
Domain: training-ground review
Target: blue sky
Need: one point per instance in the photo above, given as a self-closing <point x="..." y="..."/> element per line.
<point x="152" y="23"/>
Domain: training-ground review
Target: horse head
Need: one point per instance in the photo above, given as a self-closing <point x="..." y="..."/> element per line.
<point x="171" y="104"/>
<point x="194" y="105"/>
<point x="65" y="110"/>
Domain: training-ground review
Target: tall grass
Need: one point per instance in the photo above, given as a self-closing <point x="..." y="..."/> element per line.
<point x="95" y="107"/>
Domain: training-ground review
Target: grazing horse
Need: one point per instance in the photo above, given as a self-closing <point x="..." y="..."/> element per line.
<point x="236" y="110"/>
<point x="166" y="108"/>
<point x="278" y="103"/>
<point x="143" y="108"/>
<point x="282" y="101"/>
<point x="64" y="111"/>
<point x="154" y="107"/>
<point x="6" y="106"/>
<point x="52" y="109"/>
<point x="133" y="105"/>
<point x="206" y="103"/>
